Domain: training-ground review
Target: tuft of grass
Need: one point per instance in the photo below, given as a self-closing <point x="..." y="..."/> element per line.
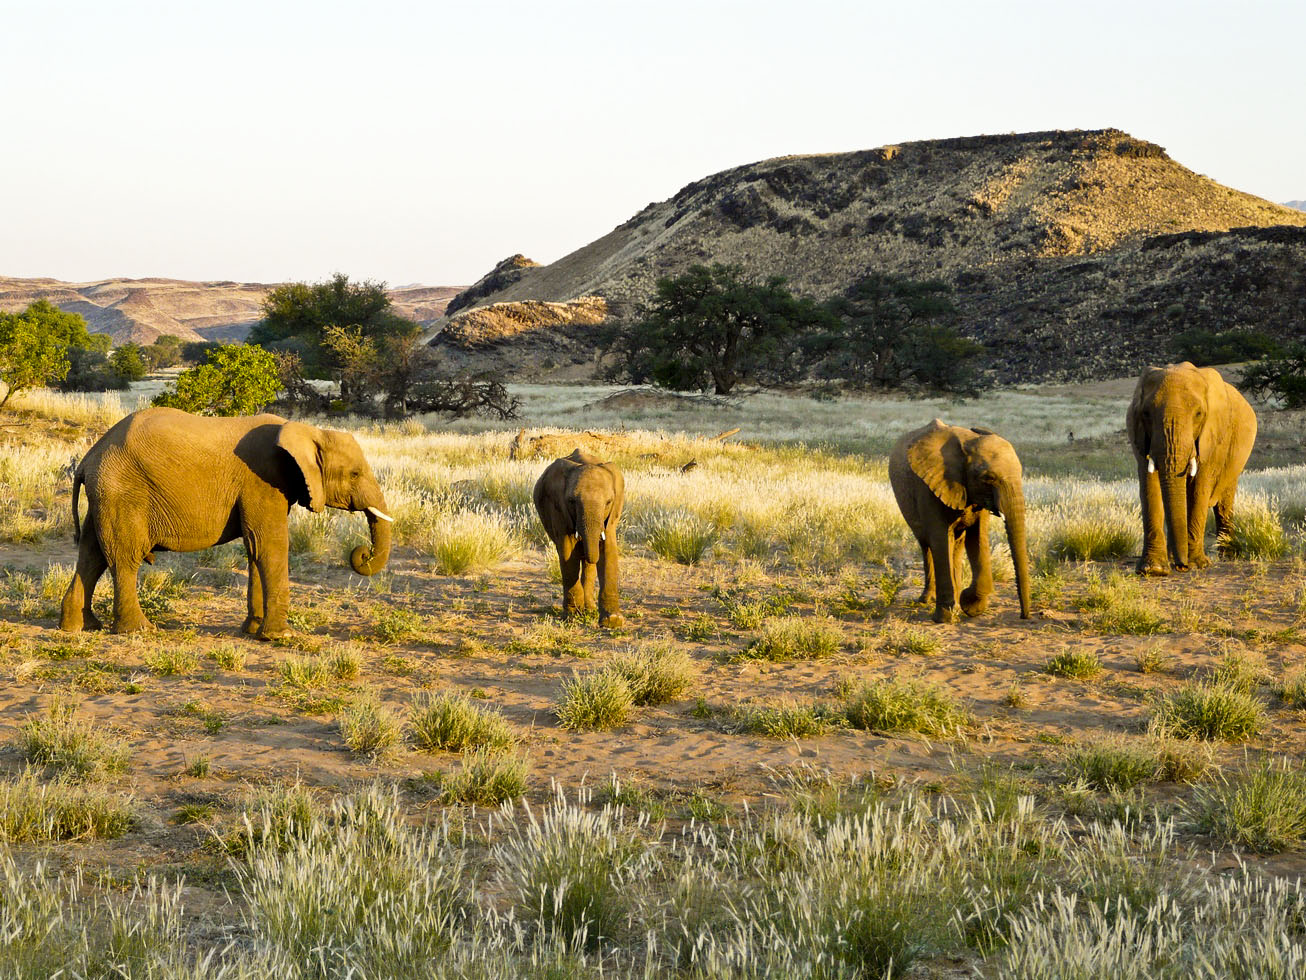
<point x="228" y="656"/>
<point x="1079" y="664"/>
<point x="71" y="743"/>
<point x="1119" y="605"/>
<point x="171" y="662"/>
<point x="1210" y="711"/>
<point x="595" y="702"/>
<point x="199" y="767"/>
<point x="906" y="638"/>
<point x="1262" y="808"/>
<point x="32" y="809"/>
<point x="1119" y="763"/>
<point x="903" y="705"/>
<point x="557" y="638"/>
<point x="656" y="672"/>
<point x="192" y="813"/>
<point x="466" y="541"/>
<point x="1092" y="538"/>
<point x="487" y="778"/>
<point x="1255" y="532"/>
<point x="749" y="614"/>
<point x="392" y="626"/>
<point x="1152" y="660"/>
<point x="453" y="723"/>
<point x="782" y="638"/>
<point x="680" y="536"/>
<point x="787" y="720"/>
<point x="344" y="664"/>
<point x="1292" y="690"/>
<point x="368" y="728"/>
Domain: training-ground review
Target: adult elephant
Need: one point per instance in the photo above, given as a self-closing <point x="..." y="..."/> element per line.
<point x="579" y="500"/>
<point x="166" y="480"/>
<point x="947" y="480"/>
<point x="1191" y="432"/>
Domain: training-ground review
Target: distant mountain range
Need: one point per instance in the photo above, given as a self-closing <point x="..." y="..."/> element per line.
<point x="1299" y="205"/>
<point x="141" y="310"/>
<point x="1072" y="253"/>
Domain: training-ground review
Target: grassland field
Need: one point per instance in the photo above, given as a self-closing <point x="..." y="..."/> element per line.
<point x="779" y="766"/>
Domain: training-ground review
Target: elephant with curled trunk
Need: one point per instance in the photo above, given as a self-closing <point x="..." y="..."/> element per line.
<point x="166" y="480"/>
<point x="579" y="500"/>
<point x="1191" y="433"/>
<point x="947" y="480"/>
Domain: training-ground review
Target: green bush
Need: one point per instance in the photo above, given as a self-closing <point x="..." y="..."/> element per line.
<point x="1209" y="711"/>
<point x="453" y="723"/>
<point x="655" y="673"/>
<point x="371" y="729"/>
<point x="1204" y="347"/>
<point x="903" y="705"/>
<point x="596" y="702"/>
<point x="1281" y="375"/>
<point x="1079" y="664"/>
<point x="239" y="379"/>
<point x="1263" y="809"/>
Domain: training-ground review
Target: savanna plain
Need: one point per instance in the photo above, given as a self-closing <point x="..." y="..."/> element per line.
<point x="778" y="767"/>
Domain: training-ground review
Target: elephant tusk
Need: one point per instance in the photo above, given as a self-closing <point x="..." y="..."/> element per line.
<point x="603" y="535"/>
<point x="380" y="515"/>
<point x="1192" y="467"/>
<point x="1151" y="467"/>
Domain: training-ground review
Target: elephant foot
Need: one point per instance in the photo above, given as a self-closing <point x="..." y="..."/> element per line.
<point x="131" y="624"/>
<point x="612" y="621"/>
<point x="945" y="614"/>
<point x="926" y="598"/>
<point x="271" y="631"/>
<point x="974" y="605"/>
<point x="1154" y="568"/>
<point x="251" y="625"/>
<point x="1199" y="561"/>
<point x="91" y="622"/>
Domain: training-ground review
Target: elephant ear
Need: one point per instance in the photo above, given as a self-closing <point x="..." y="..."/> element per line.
<point x="618" y="493"/>
<point x="303" y="444"/>
<point x="940" y="461"/>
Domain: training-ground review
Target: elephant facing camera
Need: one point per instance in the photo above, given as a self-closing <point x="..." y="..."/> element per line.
<point x="579" y="500"/>
<point x="165" y="480"/>
<point x="947" y="481"/>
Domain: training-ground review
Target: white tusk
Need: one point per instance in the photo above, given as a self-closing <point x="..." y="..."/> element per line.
<point x="379" y="515"/>
<point x="1151" y="467"/>
<point x="603" y="535"/>
<point x="1192" y="467"/>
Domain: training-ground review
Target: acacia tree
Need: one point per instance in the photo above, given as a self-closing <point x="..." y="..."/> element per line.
<point x="888" y="332"/>
<point x="34" y="346"/>
<point x="713" y="327"/>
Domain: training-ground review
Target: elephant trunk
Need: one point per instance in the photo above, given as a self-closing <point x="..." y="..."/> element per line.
<point x="1012" y="502"/>
<point x="1174" y="497"/>
<point x="369" y="561"/>
<point x="590" y="528"/>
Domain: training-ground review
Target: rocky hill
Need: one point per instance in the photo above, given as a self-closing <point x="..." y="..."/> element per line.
<point x="1070" y="251"/>
<point x="141" y="310"/>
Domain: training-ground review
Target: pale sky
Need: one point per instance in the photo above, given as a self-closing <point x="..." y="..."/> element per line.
<point x="423" y="142"/>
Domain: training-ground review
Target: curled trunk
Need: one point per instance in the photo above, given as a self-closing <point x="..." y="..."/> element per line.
<point x="1012" y="502"/>
<point x="1174" y="497"/>
<point x="369" y="561"/>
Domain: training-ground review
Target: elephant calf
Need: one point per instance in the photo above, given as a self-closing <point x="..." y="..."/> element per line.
<point x="579" y="500"/>
<point x="165" y="480"/>
<point x="947" y="480"/>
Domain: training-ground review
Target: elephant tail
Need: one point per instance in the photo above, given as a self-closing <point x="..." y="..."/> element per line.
<point x="78" y="480"/>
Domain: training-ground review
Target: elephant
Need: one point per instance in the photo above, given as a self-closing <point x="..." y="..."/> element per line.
<point x="165" y="480"/>
<point x="1191" y="432"/>
<point x="947" y="480"/>
<point x="579" y="500"/>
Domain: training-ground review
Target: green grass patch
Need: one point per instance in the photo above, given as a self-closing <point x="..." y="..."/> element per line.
<point x="1119" y="763"/>
<point x="1092" y="539"/>
<point x="595" y="702"/>
<point x="679" y="536"/>
<point x="33" y="810"/>
<point x="655" y="672"/>
<point x="453" y="723"/>
<point x="1079" y="664"/>
<point x="909" y="639"/>
<point x="787" y="720"/>
<point x="904" y="705"/>
<point x="1263" y="809"/>
<point x="783" y="638"/>
<point x="487" y="778"/>
<point x="368" y="728"/>
<point x="71" y="743"/>
<point x="1209" y="711"/>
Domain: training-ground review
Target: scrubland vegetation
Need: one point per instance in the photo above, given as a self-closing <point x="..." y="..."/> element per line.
<point x="778" y="767"/>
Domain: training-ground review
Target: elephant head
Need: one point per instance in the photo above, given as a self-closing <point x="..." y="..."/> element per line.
<point x="1168" y="427"/>
<point x="592" y="501"/>
<point x="978" y="470"/>
<point x="335" y="474"/>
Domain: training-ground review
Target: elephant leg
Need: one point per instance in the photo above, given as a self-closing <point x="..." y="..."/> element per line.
<point x="945" y="596"/>
<point x="127" y="614"/>
<point x="1199" y="505"/>
<point x="1155" y="558"/>
<point x="1224" y="518"/>
<point x="270" y="553"/>
<point x="589" y="585"/>
<point x="927" y="594"/>
<point x="573" y="594"/>
<point x="76" y="612"/>
<point x="975" y="597"/>
<point x="254" y="601"/>
<point x="609" y="599"/>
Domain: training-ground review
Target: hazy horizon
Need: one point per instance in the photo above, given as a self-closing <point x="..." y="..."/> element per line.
<point x="267" y="142"/>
